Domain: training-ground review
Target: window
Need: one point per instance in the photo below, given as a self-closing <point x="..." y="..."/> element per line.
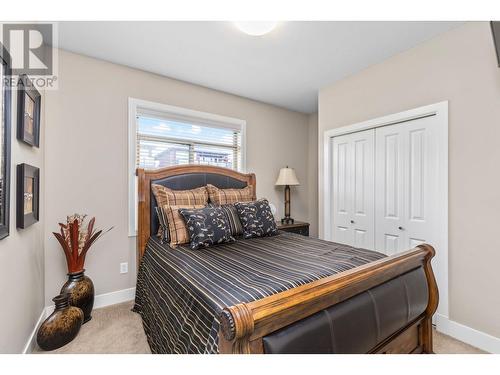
<point x="163" y="142"/>
<point x="162" y="136"/>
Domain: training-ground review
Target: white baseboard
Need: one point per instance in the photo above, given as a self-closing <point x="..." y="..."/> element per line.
<point x="468" y="335"/>
<point x="30" y="344"/>
<point x="101" y="300"/>
<point x="112" y="298"/>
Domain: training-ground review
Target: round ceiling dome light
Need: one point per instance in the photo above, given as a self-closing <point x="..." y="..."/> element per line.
<point x="256" y="28"/>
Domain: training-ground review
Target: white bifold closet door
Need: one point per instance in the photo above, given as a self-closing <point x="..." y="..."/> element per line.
<point x="353" y="189"/>
<point x="406" y="170"/>
<point x="385" y="186"/>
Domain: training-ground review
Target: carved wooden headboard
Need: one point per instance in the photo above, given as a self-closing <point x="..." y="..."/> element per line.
<point x="180" y="178"/>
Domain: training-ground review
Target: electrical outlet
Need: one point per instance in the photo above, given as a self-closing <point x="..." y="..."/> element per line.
<point x="123" y="267"/>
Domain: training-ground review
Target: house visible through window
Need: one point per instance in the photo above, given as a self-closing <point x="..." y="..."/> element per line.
<point x="164" y="142"/>
<point x="162" y="135"/>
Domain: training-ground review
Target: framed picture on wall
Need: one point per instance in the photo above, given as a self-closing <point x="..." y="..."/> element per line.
<point x="28" y="112"/>
<point x="5" y="120"/>
<point x="28" y="191"/>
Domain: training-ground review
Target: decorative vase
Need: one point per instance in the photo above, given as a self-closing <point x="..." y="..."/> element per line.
<point x="81" y="293"/>
<point x="76" y="238"/>
<point x="62" y="326"/>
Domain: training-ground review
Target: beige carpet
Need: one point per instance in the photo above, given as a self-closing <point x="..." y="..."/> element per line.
<point x="116" y="329"/>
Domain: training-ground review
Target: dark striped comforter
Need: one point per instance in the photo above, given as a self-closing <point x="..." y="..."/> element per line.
<point x="180" y="292"/>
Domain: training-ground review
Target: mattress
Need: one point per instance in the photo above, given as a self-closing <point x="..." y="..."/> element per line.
<point x="181" y="292"/>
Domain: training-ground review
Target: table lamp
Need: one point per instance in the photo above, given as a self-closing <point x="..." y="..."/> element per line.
<point x="287" y="178"/>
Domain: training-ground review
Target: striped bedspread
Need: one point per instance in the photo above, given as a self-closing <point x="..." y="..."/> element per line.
<point x="180" y="292"/>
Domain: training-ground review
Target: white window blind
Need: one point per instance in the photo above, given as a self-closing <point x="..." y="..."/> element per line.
<point x="164" y="141"/>
<point x="161" y="135"/>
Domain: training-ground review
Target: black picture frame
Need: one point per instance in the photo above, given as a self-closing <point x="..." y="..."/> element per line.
<point x="5" y="126"/>
<point x="28" y="112"/>
<point x="28" y="195"/>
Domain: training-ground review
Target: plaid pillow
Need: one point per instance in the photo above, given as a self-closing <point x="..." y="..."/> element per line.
<point x="166" y="196"/>
<point x="233" y="219"/>
<point x="229" y="196"/>
<point x="176" y="225"/>
<point x="163" y="232"/>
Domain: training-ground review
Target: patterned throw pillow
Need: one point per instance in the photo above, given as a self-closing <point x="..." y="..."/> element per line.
<point x="163" y="232"/>
<point x="229" y="196"/>
<point x="176" y="226"/>
<point x="206" y="226"/>
<point x="185" y="198"/>
<point x="256" y="218"/>
<point x="233" y="219"/>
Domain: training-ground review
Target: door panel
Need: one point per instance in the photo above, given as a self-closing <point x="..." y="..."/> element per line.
<point x="417" y="178"/>
<point x="391" y="244"/>
<point x="405" y="188"/>
<point x="360" y="238"/>
<point x="359" y="177"/>
<point x="392" y="173"/>
<point x="341" y="231"/>
<point x="389" y="178"/>
<point x="363" y="192"/>
<point x="343" y="179"/>
<point x="342" y="234"/>
<point x="353" y="189"/>
<point x="422" y="190"/>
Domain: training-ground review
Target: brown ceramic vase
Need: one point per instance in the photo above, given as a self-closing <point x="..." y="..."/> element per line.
<point x="81" y="293"/>
<point x="62" y="326"/>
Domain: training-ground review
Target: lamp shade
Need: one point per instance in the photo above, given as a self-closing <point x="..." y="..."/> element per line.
<point x="287" y="177"/>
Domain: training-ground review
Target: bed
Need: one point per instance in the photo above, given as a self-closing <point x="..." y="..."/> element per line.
<point x="280" y="294"/>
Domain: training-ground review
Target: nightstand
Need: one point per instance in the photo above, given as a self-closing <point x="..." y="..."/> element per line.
<point x="298" y="227"/>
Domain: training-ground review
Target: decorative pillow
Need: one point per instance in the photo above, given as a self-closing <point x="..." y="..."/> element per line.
<point x="256" y="218"/>
<point x="233" y="219"/>
<point x="176" y="226"/>
<point x="229" y="196"/>
<point x="185" y="198"/>
<point x="206" y="226"/>
<point x="163" y="232"/>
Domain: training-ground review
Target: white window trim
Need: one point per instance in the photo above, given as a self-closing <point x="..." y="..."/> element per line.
<point x="136" y="106"/>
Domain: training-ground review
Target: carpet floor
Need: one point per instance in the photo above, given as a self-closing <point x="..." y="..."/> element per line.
<point x="116" y="329"/>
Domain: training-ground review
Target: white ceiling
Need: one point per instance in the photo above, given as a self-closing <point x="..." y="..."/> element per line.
<point x="286" y="67"/>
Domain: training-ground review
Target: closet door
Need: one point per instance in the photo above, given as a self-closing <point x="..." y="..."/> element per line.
<point x="389" y="181"/>
<point x="341" y="199"/>
<point x="353" y="189"/>
<point x="406" y="185"/>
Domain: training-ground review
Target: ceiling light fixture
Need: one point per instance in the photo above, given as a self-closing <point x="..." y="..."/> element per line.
<point x="256" y="28"/>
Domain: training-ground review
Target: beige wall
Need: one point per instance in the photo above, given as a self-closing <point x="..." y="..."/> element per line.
<point x="312" y="172"/>
<point x="86" y="155"/>
<point x="21" y="254"/>
<point x="459" y="66"/>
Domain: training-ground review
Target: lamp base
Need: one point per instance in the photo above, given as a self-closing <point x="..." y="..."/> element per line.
<point x="287" y="220"/>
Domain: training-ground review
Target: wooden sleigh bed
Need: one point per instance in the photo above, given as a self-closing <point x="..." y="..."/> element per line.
<point x="401" y="288"/>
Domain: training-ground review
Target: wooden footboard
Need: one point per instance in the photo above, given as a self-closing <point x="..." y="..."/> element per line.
<point x="244" y="325"/>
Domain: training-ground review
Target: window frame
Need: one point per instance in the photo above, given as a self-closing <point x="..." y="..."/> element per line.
<point x="158" y="110"/>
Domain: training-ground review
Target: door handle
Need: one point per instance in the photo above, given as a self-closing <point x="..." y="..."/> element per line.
<point x="401" y="228"/>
